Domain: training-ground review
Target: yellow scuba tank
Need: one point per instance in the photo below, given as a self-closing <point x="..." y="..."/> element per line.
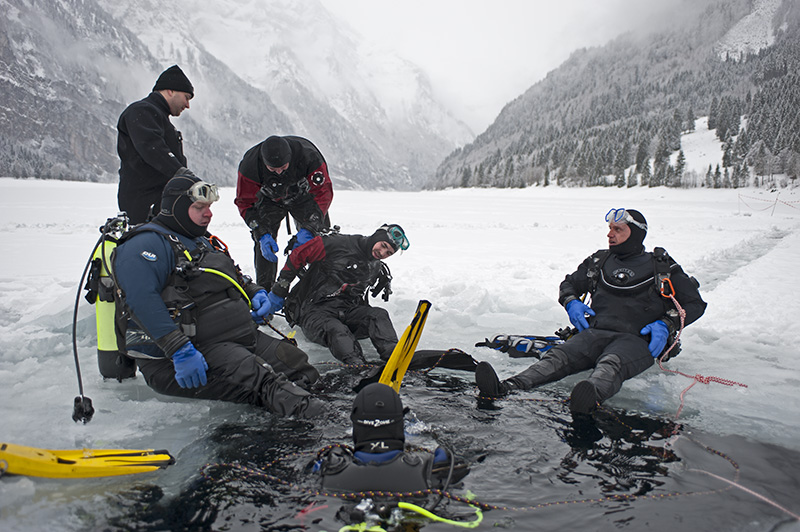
<point x="111" y="358"/>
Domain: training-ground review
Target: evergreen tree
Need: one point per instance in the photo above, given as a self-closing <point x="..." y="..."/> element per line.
<point x="660" y="161"/>
<point x="466" y="177"/>
<point x="726" y="179"/>
<point x="745" y="175"/>
<point x="736" y="176"/>
<point x="712" y="113"/>
<point x="741" y="146"/>
<point x="509" y="168"/>
<point x="642" y="155"/>
<point x="690" y="119"/>
<point x="727" y="158"/>
<point x="619" y="180"/>
<point x="721" y="119"/>
<point x="680" y="167"/>
<point x="646" y="175"/>
<point x="672" y="131"/>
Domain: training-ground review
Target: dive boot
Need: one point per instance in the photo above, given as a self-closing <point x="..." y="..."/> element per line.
<point x="488" y="382"/>
<point x="583" y="399"/>
<point x="309" y="408"/>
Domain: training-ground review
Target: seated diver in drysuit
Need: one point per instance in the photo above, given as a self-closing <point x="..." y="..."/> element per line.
<point x="378" y="460"/>
<point x="191" y="300"/>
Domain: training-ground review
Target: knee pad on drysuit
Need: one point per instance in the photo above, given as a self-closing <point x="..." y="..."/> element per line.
<point x="285" y="398"/>
<point x="293" y="362"/>
<point x="345" y="347"/>
<point x="607" y="376"/>
<point x="554" y="365"/>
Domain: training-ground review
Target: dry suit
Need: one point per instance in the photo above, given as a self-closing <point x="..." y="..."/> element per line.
<point x="625" y="297"/>
<point x="344" y="470"/>
<point x="174" y="300"/>
<point x="330" y="302"/>
<point x="265" y="198"/>
<point x="379" y="459"/>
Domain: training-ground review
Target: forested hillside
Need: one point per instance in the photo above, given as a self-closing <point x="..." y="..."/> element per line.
<point x="614" y="115"/>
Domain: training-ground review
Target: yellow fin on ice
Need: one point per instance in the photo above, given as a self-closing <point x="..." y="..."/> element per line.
<point x="79" y="463"/>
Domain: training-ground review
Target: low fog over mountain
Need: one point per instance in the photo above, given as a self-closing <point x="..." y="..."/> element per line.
<point x="69" y="67"/>
<point x="609" y="115"/>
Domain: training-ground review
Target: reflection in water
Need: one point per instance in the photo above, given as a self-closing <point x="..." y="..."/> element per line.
<point x="624" y="454"/>
<point x="532" y="467"/>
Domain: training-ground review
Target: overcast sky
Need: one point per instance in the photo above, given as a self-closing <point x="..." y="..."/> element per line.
<point x="481" y="54"/>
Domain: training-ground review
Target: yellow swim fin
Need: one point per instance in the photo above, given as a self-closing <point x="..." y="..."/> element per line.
<point x="396" y="367"/>
<point x="79" y="463"/>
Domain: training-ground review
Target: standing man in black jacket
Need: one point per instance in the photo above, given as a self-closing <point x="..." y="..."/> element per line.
<point x="149" y="147"/>
<point x="627" y="325"/>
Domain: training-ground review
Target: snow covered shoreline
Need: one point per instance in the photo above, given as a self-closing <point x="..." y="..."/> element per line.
<point x="490" y="262"/>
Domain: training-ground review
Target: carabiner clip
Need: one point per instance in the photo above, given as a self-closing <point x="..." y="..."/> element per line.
<point x="218" y="244"/>
<point x="664" y="282"/>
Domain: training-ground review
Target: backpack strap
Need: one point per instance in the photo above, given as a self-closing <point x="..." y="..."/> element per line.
<point x="662" y="264"/>
<point x="383" y="283"/>
<point x="593" y="273"/>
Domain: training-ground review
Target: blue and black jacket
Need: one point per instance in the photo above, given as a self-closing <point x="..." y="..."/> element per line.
<point x="174" y="299"/>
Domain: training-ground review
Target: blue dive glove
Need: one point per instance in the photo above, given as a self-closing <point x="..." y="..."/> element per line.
<point x="659" y="333"/>
<point x="259" y="300"/>
<point x="268" y="247"/>
<point x="302" y="236"/>
<point x="576" y="310"/>
<point x="190" y="367"/>
<point x="265" y="304"/>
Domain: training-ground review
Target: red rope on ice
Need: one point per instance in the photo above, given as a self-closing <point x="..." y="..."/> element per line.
<point x="697" y="377"/>
<point x="751" y="492"/>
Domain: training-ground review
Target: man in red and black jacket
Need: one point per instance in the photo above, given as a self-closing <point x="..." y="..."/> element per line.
<point x="278" y="177"/>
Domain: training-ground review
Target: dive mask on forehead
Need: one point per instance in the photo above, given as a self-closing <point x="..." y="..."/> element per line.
<point x="202" y="191"/>
<point x="621" y="216"/>
<point x="397" y="235"/>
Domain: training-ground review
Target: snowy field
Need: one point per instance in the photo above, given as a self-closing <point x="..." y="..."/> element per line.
<point x="490" y="261"/>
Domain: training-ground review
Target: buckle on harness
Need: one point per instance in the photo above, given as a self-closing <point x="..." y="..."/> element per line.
<point x="185" y="318"/>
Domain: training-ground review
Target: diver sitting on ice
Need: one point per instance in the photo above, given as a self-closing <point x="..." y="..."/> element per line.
<point x="330" y="302"/>
<point x="186" y="293"/>
<point x="379" y="459"/>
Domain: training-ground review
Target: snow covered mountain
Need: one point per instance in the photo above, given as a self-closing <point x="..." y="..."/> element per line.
<point x="752" y="33"/>
<point x="68" y="69"/>
<point x="259" y="68"/>
<point x="616" y="113"/>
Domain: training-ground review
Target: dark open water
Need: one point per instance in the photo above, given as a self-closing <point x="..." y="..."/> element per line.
<point x="531" y="469"/>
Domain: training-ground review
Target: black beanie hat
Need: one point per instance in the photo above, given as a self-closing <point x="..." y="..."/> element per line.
<point x="275" y="151"/>
<point x="175" y="206"/>
<point x="174" y="79"/>
<point x="634" y="243"/>
<point x="377" y="418"/>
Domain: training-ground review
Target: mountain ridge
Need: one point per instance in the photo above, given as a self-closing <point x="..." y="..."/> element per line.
<point x="373" y="149"/>
<point x="608" y="110"/>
